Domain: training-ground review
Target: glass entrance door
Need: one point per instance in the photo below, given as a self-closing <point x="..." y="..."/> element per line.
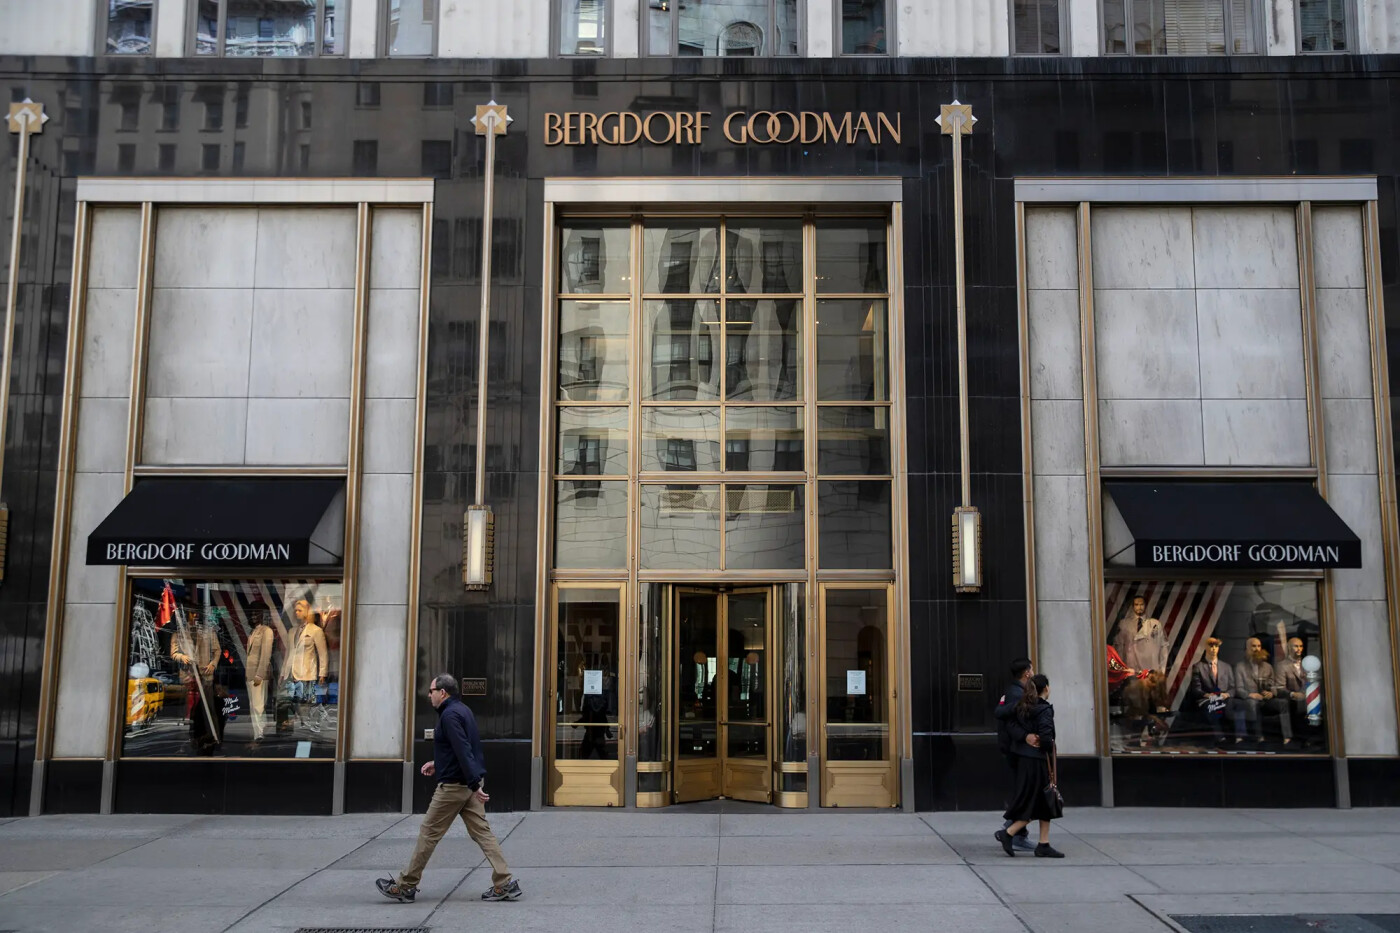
<point x="723" y="704"/>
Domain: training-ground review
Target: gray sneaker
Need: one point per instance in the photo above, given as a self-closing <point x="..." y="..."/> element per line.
<point x="1023" y="842"/>
<point x="510" y="891"/>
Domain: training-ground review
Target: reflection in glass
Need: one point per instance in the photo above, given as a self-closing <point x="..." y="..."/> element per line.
<point x="582" y="25"/>
<point x="268" y="28"/>
<point x="852" y="350"/>
<point x="592" y="441"/>
<point x="1322" y="25"/>
<point x="763" y="257"/>
<point x="853" y="525"/>
<point x="681" y="260"/>
<point x="653" y="624"/>
<point x="586" y="711"/>
<point x="1229" y="667"/>
<point x="762" y="439"/>
<point x="660" y="20"/>
<point x="1035" y="27"/>
<point x="595" y="259"/>
<point x="411" y="27"/>
<point x="853" y="440"/>
<point x="764" y="527"/>
<point x="857" y="674"/>
<point x="792" y="628"/>
<point x="332" y="42"/>
<point x="590" y="524"/>
<point x="593" y="350"/>
<point x="680" y="339"/>
<point x="697" y="670"/>
<point x="680" y="527"/>
<point x="680" y="439"/>
<point x="763" y="349"/>
<point x="851" y="257"/>
<point x="863" y="27"/>
<point x="129" y="27"/>
<point x="206" y="27"/>
<point x="233" y="668"/>
<point x="1115" y="40"/>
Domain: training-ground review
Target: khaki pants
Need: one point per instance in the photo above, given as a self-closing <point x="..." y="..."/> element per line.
<point x="449" y="801"/>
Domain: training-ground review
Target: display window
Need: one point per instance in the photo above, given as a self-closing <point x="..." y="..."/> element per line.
<point x="1234" y="668"/>
<point x="233" y="668"/>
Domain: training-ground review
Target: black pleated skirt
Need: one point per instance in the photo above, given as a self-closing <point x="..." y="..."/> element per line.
<point x="1028" y="802"/>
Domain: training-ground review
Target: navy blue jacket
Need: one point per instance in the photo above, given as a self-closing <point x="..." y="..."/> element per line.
<point x="1041" y="721"/>
<point x="1010" y="732"/>
<point x="457" y="753"/>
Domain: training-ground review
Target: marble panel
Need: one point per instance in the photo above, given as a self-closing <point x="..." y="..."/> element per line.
<point x="1357" y="500"/>
<point x="1141" y="247"/>
<point x="1339" y="258"/>
<point x="1146" y="344"/>
<point x="1349" y="428"/>
<point x="391" y="367"/>
<point x="390" y="429"/>
<point x="1256" y="432"/>
<point x="1057" y="437"/>
<point x="1344" y="343"/>
<point x="1363" y="669"/>
<point x="386" y="506"/>
<point x="376" y="720"/>
<point x="1251" y="343"/>
<point x="304" y="247"/>
<point x="1052" y="248"/>
<point x="102" y="424"/>
<point x="109" y="330"/>
<point x="1083" y="37"/>
<point x="194" y="431"/>
<point x="1067" y="657"/>
<point x="1142" y="432"/>
<point x="205" y="247"/>
<point x="200" y="342"/>
<point x="298" y="431"/>
<point x="115" y="248"/>
<point x="302" y="343"/>
<point x="1061" y="538"/>
<point x="1056" y="368"/>
<point x="1240" y="246"/>
<point x="84" y="696"/>
<point x="95" y="495"/>
<point x="396" y="248"/>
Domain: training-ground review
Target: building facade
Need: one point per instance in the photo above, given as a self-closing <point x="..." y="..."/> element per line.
<point x="818" y="383"/>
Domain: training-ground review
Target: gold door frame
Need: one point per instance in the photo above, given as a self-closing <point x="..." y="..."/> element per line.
<point x="703" y="774"/>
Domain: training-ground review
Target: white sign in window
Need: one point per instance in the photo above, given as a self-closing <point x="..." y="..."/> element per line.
<point x="855" y="683"/>
<point x="592" y="683"/>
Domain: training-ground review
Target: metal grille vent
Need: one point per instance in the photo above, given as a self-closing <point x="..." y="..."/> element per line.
<point x="1308" y="923"/>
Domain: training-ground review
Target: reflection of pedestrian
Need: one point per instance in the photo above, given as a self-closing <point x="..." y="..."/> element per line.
<point x="459" y="766"/>
<point x="260" y="642"/>
<point x="595" y="710"/>
<point x="195" y="650"/>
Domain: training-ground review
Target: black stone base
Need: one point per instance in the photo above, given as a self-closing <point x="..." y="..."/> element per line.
<point x="1223" y="782"/>
<point x="300" y="788"/>
<point x="953" y="772"/>
<point x="72" y="786"/>
<point x="1375" y="782"/>
<point x="373" y="786"/>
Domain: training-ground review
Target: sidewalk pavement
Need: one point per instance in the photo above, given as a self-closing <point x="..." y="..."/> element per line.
<point x="698" y="869"/>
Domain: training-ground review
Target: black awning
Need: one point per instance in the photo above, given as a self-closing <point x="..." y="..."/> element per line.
<point x="195" y="522"/>
<point x="1254" y="525"/>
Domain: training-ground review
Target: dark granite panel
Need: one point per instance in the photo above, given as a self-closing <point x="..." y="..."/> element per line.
<point x="288" y="788"/>
<point x="373" y="786"/>
<point x="1375" y="782"/>
<point x="171" y="786"/>
<point x="1294" y="782"/>
<point x="71" y="787"/>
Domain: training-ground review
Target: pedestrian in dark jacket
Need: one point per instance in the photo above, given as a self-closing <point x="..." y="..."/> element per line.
<point x="459" y="766"/>
<point x="1034" y="714"/>
<point x="1011" y="733"/>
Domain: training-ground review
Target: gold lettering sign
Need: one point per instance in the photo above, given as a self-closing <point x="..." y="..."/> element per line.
<point x="741" y="127"/>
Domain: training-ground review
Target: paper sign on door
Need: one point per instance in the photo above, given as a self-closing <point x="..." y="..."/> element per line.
<point x="855" y="683"/>
<point x="592" y="683"/>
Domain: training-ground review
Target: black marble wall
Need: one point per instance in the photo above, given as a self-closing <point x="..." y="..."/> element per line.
<point x="1100" y="117"/>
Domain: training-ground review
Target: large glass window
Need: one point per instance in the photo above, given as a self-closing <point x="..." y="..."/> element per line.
<point x="864" y="27"/>
<point x="1324" y="25"/>
<point x="582" y="27"/>
<point x="233" y="668"/>
<point x="855" y="636"/>
<point x="268" y="28"/>
<point x="586" y="657"/>
<point x="722" y="27"/>
<point x="1180" y="27"/>
<point x="411" y="28"/>
<point x="1036" y="27"/>
<point x="1215" y="668"/>
<point x="127" y="26"/>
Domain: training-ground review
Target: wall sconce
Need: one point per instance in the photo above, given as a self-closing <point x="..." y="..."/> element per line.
<point x="967" y="549"/>
<point x="478" y="546"/>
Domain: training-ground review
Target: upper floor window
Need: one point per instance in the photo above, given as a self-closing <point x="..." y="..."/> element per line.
<point x="741" y="27"/>
<point x="268" y="28"/>
<point x="127" y="26"/>
<point x="864" y="27"/>
<point x="1324" y="25"/>
<point x="582" y="27"/>
<point x="411" y="28"/>
<point x="1036" y="27"/>
<point x="1180" y="27"/>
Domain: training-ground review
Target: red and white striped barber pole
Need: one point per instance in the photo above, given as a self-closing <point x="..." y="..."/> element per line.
<point x="1313" y="691"/>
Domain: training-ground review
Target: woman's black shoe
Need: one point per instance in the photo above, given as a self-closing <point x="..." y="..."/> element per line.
<point x="1005" y="841"/>
<point x="1045" y="850"/>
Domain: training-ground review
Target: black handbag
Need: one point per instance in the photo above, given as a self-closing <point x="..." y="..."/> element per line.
<point x="1053" y="799"/>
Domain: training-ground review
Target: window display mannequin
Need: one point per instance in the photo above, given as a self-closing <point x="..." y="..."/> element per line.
<point x="1142" y="645"/>
<point x="307" y="668"/>
<point x="1213" y="686"/>
<point x="1257" y="692"/>
<point x="195" y="649"/>
<point x="259" y="658"/>
<point x="1292" y="682"/>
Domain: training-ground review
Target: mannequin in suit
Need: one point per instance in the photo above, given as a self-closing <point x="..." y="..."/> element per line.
<point x="1213" y="684"/>
<point x="259" y="660"/>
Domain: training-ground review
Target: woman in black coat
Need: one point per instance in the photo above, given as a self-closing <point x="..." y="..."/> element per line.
<point x="1035" y="714"/>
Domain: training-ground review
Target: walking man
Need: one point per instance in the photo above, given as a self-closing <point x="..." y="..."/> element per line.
<point x="458" y="765"/>
<point x="1010" y="732"/>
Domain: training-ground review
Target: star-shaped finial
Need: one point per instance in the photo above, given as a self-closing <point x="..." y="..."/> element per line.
<point x="491" y="118"/>
<point x="955" y="118"/>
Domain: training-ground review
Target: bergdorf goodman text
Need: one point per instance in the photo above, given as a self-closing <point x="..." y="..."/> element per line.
<point x="1257" y="555"/>
<point x="169" y="553"/>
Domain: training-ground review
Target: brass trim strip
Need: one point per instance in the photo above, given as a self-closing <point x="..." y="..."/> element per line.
<point x="1156" y="190"/>
<point x="1207" y="472"/>
<point x="1027" y="450"/>
<point x="420" y="420"/>
<point x="63" y="505"/>
<point x="900" y="611"/>
<point x="1385" y="440"/>
<point x="255" y="191"/>
<point x="7" y="349"/>
<point x="1092" y="486"/>
<point x="545" y="508"/>
<point x="245" y="471"/>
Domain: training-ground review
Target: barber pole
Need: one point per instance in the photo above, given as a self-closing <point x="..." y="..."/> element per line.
<point x="1313" y="693"/>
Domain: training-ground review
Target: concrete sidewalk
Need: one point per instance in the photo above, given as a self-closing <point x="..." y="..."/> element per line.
<point x="698" y="869"/>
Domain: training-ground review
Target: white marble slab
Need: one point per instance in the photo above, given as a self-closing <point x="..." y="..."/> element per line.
<point x="95" y="495"/>
<point x="1067" y="657"/>
<point x="386" y="519"/>
<point x="200" y="339"/>
<point x="109" y="327"/>
<point x="1151" y="432"/>
<point x="1256" y="432"/>
<point x="295" y="431"/>
<point x="1357" y="501"/>
<point x="1344" y="343"/>
<point x="1349" y="428"/>
<point x="396" y="248"/>
<point x="1141" y="247"/>
<point x="390" y="439"/>
<point x="1061" y="538"/>
<point x="205" y="247"/>
<point x="102" y="426"/>
<point x="391" y="367"/>
<point x="1146" y="344"/>
<point x="302" y="343"/>
<point x="84" y="683"/>
<point x="376" y="726"/>
<point x="306" y="247"/>
<point x="1246" y="246"/>
<point x="181" y="431"/>
<point x="1251" y="343"/>
<point x="1054" y="340"/>
<point x="114" y="247"/>
<point x="1339" y="259"/>
<point x="1057" y="437"/>
<point x="1052" y="248"/>
<point x="1363" y="671"/>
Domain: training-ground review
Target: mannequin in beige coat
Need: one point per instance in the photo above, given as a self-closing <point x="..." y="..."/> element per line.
<point x="259" y="660"/>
